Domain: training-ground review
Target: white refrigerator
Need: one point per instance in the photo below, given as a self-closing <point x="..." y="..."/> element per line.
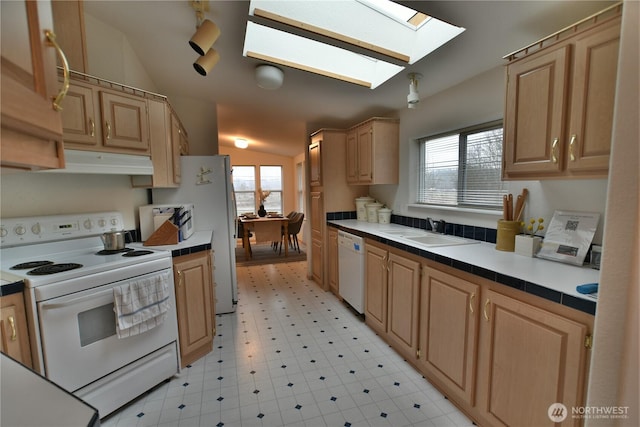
<point x="206" y="182"/>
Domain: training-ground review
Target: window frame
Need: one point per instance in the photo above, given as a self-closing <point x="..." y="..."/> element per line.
<point x="462" y="170"/>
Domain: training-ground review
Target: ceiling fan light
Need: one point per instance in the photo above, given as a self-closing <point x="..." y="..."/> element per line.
<point x="269" y="77"/>
<point x="205" y="64"/>
<point x="204" y="37"/>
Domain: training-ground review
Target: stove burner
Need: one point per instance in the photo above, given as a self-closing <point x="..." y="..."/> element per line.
<point x="113" y="251"/>
<point x="138" y="253"/>
<point x="53" y="268"/>
<point x="30" y="265"/>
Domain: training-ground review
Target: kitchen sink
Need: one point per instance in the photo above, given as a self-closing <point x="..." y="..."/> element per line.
<point x="440" y="240"/>
<point x="404" y="233"/>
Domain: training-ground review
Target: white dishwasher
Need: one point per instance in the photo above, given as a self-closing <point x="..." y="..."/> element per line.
<point x="351" y="269"/>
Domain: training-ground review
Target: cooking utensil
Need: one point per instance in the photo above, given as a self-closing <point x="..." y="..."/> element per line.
<point x="114" y="240"/>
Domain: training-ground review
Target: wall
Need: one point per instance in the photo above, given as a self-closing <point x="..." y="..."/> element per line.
<point x="44" y="193"/>
<point x="615" y="379"/>
<point x="478" y="100"/>
<point x="247" y="158"/>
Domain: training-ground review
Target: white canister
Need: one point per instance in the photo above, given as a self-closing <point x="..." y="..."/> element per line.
<point x="361" y="207"/>
<point x="384" y="215"/>
<point x="372" y="211"/>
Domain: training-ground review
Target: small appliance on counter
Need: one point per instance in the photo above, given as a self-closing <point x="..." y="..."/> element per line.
<point x="153" y="216"/>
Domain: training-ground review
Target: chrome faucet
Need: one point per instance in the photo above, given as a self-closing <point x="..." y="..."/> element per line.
<point x="437" y="226"/>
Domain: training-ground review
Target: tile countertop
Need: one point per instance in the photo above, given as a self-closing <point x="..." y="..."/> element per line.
<point x="528" y="274"/>
<point x="199" y="241"/>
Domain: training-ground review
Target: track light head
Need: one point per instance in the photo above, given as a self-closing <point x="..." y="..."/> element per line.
<point x="414" y="97"/>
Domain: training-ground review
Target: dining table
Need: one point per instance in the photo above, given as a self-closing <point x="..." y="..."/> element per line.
<point x="265" y="229"/>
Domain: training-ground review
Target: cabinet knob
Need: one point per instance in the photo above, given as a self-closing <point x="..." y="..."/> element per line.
<point x="51" y="38"/>
<point x="12" y="325"/>
<point x="92" y="128"/>
<point x="473" y="296"/>
<point x="108" y="126"/>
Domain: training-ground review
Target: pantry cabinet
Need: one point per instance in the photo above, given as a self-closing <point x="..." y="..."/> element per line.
<point x="328" y="192"/>
<point x="449" y="320"/>
<point x="195" y="300"/>
<point x="372" y="152"/>
<point x="334" y="279"/>
<point x="531" y="358"/>
<point x="14" y="339"/>
<point x="31" y="127"/>
<point x="559" y="105"/>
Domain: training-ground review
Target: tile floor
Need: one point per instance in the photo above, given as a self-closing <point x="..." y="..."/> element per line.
<point x="292" y="355"/>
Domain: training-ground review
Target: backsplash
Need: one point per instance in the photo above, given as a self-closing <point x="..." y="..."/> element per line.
<point x="482" y="234"/>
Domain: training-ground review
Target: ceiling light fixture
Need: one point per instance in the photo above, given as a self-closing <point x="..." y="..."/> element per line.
<point x="269" y="77"/>
<point x="241" y="143"/>
<point x="414" y="97"/>
<point x="207" y="32"/>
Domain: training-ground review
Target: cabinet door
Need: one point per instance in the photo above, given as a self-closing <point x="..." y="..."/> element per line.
<point x="592" y="101"/>
<point x="365" y="153"/>
<point x="334" y="279"/>
<point x="315" y="163"/>
<point x="403" y="304"/>
<point x="375" y="295"/>
<point x="352" y="156"/>
<point x="317" y="222"/>
<point x="125" y="123"/>
<point x="317" y="265"/>
<point x="31" y="128"/>
<point x="533" y="358"/>
<point x="14" y="336"/>
<point x="448" y="331"/>
<point x="192" y="276"/>
<point x="79" y="118"/>
<point x="535" y="114"/>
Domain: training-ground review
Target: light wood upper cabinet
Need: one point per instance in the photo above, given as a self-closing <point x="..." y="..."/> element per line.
<point x="449" y="331"/>
<point x="31" y="127"/>
<point x="68" y="18"/>
<point x="372" y="152"/>
<point x="315" y="162"/>
<point x="559" y="106"/>
<point x="531" y="359"/>
<point x="195" y="300"/>
<point x="14" y="334"/>
<point x="98" y="119"/>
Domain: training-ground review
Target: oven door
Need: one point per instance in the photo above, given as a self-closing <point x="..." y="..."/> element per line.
<point x="78" y="334"/>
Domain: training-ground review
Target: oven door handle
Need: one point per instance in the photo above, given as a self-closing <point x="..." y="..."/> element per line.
<point x="62" y="302"/>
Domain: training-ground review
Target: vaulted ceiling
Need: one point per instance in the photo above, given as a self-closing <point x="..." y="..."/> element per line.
<point x="279" y="121"/>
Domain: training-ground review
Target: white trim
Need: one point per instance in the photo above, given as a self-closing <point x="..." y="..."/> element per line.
<point x="497" y="213"/>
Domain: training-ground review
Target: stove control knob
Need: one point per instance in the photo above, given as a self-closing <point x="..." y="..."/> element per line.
<point x="102" y="223"/>
<point x="114" y="222"/>
<point x="20" y="230"/>
<point x="88" y="224"/>
<point x="36" y="229"/>
<point x="3" y="232"/>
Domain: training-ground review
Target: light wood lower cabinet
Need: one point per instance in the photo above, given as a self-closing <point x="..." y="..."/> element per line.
<point x="195" y="300"/>
<point x="449" y="321"/>
<point x="531" y="359"/>
<point x="392" y="297"/>
<point x="501" y="355"/>
<point x="317" y="233"/>
<point x="14" y="334"/>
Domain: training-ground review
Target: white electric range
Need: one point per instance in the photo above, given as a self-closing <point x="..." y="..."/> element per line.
<point x="69" y="295"/>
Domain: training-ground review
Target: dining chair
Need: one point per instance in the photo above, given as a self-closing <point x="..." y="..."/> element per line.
<point x="295" y="225"/>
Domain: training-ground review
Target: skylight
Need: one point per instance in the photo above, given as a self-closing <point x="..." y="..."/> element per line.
<point x="394" y="35"/>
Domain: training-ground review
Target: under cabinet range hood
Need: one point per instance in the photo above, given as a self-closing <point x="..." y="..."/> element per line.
<point x="95" y="162"/>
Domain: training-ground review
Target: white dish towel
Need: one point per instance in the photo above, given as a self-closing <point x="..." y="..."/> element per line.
<point x="141" y="305"/>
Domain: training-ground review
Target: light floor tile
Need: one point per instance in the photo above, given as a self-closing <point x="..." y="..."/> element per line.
<point x="292" y="355"/>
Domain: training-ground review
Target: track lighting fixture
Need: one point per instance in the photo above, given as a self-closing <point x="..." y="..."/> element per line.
<point x="207" y="32"/>
<point x="414" y="97"/>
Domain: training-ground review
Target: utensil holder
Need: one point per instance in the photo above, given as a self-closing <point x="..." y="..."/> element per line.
<point x="506" y="235"/>
<point x="527" y="245"/>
